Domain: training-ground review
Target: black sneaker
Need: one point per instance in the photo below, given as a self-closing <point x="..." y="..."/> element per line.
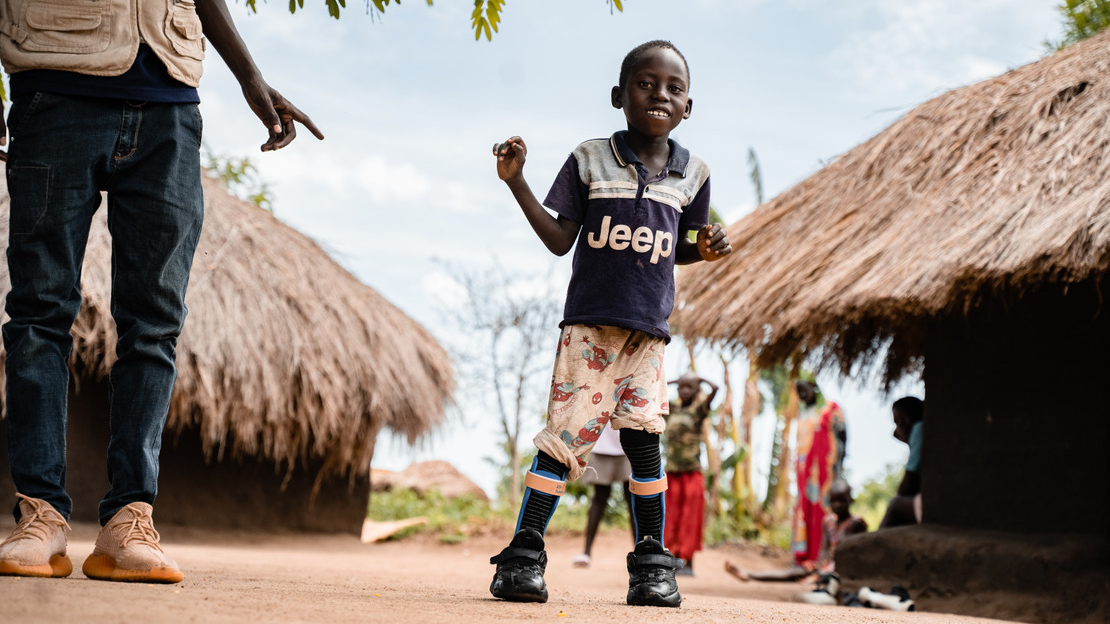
<point x="519" y="575"/>
<point x="651" y="571"/>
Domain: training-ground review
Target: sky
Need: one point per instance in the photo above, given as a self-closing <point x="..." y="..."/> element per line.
<point x="411" y="105"/>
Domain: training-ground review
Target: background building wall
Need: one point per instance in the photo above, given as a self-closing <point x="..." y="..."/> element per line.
<point x="1017" y="414"/>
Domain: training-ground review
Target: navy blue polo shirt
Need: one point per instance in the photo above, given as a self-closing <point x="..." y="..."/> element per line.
<point x="147" y="80"/>
<point x="623" y="267"/>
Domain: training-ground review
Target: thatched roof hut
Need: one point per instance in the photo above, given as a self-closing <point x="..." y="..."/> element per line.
<point x="285" y="357"/>
<point x="970" y="239"/>
<point x="985" y="189"/>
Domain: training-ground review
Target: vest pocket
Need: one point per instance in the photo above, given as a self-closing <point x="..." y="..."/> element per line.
<point x="183" y="29"/>
<point x="79" y="28"/>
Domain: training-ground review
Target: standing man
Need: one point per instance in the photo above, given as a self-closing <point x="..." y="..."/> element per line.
<point x="104" y="99"/>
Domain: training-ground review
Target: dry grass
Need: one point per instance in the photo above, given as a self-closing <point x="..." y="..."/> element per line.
<point x="285" y="354"/>
<point x="985" y="190"/>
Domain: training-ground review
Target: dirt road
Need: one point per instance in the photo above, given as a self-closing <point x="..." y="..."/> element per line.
<point x="336" y="579"/>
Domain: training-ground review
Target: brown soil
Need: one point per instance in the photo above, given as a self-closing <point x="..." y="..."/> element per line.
<point x="233" y="577"/>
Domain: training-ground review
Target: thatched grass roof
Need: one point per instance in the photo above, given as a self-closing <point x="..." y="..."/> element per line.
<point x="987" y="189"/>
<point x="285" y="355"/>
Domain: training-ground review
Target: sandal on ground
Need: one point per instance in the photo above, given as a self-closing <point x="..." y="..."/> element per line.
<point x="732" y="569"/>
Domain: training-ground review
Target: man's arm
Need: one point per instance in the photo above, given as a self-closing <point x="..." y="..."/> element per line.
<point x="277" y="113"/>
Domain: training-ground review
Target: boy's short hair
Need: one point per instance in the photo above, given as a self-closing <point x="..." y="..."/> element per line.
<point x="805" y="383"/>
<point x="634" y="55"/>
<point x="840" y="485"/>
<point x="912" y="407"/>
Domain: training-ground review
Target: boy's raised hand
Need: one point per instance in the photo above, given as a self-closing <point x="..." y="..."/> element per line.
<point x="713" y="242"/>
<point x="510" y="157"/>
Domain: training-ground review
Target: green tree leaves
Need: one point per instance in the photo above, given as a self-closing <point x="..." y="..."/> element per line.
<point x="239" y="176"/>
<point x="485" y="18"/>
<point x="1081" y="19"/>
<point x="487" y="15"/>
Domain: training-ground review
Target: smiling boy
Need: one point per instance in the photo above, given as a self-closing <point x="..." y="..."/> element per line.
<point x="629" y="202"/>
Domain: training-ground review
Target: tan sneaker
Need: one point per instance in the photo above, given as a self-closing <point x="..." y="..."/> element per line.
<point x="127" y="550"/>
<point x="37" y="546"/>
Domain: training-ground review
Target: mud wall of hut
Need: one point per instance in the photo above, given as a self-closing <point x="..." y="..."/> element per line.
<point x="1017" y="434"/>
<point x="230" y="494"/>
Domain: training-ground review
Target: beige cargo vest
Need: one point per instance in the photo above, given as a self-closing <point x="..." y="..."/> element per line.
<point x="100" y="37"/>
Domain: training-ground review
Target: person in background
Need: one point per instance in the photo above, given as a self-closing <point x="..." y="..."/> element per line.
<point x="682" y="443"/>
<point x="909" y="428"/>
<point x="606" y="467"/>
<point x="822" y="439"/>
<point x="838" y="524"/>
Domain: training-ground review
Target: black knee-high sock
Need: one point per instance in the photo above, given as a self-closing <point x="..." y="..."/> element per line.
<point x="537" y="507"/>
<point x="642" y="449"/>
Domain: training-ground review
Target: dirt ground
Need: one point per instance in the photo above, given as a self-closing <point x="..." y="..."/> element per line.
<point x="233" y="577"/>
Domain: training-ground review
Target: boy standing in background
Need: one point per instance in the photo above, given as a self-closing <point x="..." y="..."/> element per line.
<point x="685" y="481"/>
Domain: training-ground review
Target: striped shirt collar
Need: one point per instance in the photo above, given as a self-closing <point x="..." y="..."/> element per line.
<point x="677" y="162"/>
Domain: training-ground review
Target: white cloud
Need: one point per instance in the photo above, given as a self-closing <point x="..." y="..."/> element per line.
<point x="915" y="49"/>
<point x="373" y="179"/>
<point x="442" y="288"/>
<point x="384" y="181"/>
<point x="980" y="68"/>
<point x="469" y="200"/>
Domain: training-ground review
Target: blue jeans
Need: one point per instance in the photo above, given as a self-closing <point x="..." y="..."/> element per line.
<point x="64" y="151"/>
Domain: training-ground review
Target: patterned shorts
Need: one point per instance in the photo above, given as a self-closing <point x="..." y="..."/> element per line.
<point x="602" y="375"/>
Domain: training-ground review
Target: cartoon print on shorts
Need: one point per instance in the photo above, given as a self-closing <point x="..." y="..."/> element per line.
<point x="565" y="391"/>
<point x="628" y="397"/>
<point x="656" y="363"/>
<point x="586" y="435"/>
<point x="596" y="358"/>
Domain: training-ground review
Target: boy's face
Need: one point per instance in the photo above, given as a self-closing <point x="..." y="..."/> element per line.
<point x="840" y="503"/>
<point x="655" y="97"/>
<point x="902" y="426"/>
<point x="805" y="393"/>
<point x="687" y="389"/>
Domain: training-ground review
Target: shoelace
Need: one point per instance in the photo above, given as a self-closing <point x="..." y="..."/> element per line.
<point x="38" y="523"/>
<point x="139" y="529"/>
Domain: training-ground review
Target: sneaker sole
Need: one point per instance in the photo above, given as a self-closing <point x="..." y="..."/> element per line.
<point x="521" y="597"/>
<point x="103" y="568"/>
<point x="512" y="596"/>
<point x="655" y="600"/>
<point x="59" y="566"/>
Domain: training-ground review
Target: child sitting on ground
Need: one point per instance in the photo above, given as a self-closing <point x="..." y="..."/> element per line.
<point x="629" y="202"/>
<point x="837" y="525"/>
